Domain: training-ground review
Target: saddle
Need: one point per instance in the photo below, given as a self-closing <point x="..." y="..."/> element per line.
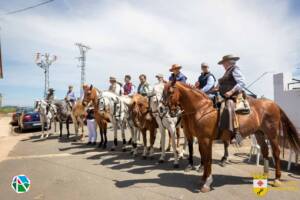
<point x="228" y="119"/>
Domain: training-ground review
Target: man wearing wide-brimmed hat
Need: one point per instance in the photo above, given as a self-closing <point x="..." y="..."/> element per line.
<point x="176" y="74"/>
<point x="230" y="86"/>
<point x="115" y="86"/>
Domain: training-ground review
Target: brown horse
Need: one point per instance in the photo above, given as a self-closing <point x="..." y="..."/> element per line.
<point x="91" y="95"/>
<point x="200" y="120"/>
<point x="144" y="121"/>
<point x="78" y="115"/>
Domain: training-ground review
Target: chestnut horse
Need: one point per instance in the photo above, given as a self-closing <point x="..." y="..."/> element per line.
<point x="144" y="121"/>
<point x="200" y="120"/>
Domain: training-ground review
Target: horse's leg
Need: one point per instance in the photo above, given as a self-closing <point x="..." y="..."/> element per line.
<point x="123" y="136"/>
<point x="226" y="136"/>
<point x="276" y="153"/>
<point x="60" y="128"/>
<point x="169" y="141"/>
<point x="68" y="126"/>
<point x="43" y="125"/>
<point x="172" y="131"/>
<point x="191" y="154"/>
<point x="152" y="140"/>
<point x="101" y="130"/>
<point x="162" y="140"/>
<point x="205" y="146"/>
<point x="115" y="126"/>
<point x="134" y="143"/>
<point x="178" y="137"/>
<point x="105" y="135"/>
<point x="260" y="137"/>
<point x="144" y="134"/>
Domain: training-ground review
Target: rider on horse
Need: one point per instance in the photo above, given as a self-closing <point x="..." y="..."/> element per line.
<point x="230" y="86"/>
<point x="115" y="86"/>
<point x="128" y="87"/>
<point x="175" y="69"/>
<point x="206" y="81"/>
<point x="144" y="88"/>
<point x="70" y="96"/>
<point x="49" y="98"/>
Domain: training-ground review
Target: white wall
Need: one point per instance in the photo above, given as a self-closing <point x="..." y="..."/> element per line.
<point x="288" y="100"/>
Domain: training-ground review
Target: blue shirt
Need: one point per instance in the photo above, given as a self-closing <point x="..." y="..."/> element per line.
<point x="179" y="77"/>
<point x="71" y="96"/>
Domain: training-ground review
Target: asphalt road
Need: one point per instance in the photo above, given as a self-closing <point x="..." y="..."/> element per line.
<point x="65" y="169"/>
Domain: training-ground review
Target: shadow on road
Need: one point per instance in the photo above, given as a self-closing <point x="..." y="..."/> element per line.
<point x="187" y="181"/>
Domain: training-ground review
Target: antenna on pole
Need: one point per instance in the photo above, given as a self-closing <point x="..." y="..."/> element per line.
<point x="82" y="49"/>
<point x="44" y="61"/>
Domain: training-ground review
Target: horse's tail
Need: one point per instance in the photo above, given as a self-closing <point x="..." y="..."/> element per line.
<point x="290" y="131"/>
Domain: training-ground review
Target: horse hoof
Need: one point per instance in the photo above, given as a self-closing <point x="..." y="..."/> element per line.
<point x="189" y="168"/>
<point x="124" y="149"/>
<point x="112" y="149"/>
<point x="161" y="161"/>
<point x="223" y="163"/>
<point x="144" y="157"/>
<point x="176" y="166"/>
<point x="200" y="169"/>
<point x="205" y="189"/>
<point x="168" y="149"/>
<point x="277" y="183"/>
<point x="129" y="141"/>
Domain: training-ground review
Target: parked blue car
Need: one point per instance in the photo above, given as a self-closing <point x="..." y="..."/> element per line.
<point x="29" y="119"/>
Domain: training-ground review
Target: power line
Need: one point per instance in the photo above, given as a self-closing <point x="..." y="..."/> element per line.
<point x="28" y="8"/>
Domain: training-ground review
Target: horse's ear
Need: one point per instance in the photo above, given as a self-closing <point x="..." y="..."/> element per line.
<point x="91" y="87"/>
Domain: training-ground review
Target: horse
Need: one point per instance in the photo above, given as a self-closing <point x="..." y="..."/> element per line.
<point x="45" y="118"/>
<point x="144" y="121"/>
<point x="200" y="119"/>
<point x="112" y="105"/>
<point x="64" y="114"/>
<point x="165" y="122"/>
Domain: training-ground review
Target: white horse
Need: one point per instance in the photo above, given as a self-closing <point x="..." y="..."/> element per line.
<point x="118" y="107"/>
<point x="164" y="121"/>
<point x="45" y="118"/>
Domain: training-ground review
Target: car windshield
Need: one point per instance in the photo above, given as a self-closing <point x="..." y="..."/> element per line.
<point x="25" y="109"/>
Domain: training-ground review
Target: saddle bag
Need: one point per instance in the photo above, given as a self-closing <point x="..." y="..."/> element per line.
<point x="242" y="105"/>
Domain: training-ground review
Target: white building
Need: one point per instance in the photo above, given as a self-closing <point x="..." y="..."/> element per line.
<point x="287" y="96"/>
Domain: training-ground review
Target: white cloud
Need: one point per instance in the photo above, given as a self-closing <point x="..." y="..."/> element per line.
<point x="133" y="37"/>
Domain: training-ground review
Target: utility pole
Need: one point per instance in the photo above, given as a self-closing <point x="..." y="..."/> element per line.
<point x="82" y="49"/>
<point x="44" y="61"/>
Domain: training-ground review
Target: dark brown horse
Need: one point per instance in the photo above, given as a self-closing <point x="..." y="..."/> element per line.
<point x="200" y="120"/>
<point x="144" y="121"/>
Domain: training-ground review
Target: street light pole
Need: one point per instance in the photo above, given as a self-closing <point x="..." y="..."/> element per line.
<point x="82" y="49"/>
<point x="44" y="62"/>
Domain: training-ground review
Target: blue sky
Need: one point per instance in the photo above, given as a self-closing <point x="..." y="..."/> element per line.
<point x="134" y="37"/>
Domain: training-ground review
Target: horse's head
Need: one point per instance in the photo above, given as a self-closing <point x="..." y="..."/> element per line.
<point x="37" y="105"/>
<point x="139" y="107"/>
<point x="171" y="96"/>
<point x="90" y="94"/>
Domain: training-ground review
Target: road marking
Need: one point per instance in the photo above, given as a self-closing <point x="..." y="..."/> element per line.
<point x="49" y="155"/>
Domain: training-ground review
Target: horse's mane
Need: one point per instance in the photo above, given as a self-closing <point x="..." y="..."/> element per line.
<point x="194" y="89"/>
